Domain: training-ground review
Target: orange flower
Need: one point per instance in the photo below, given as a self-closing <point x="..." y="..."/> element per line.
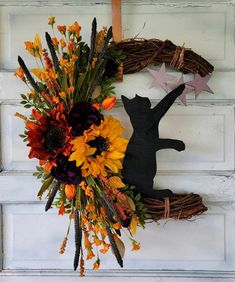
<point x="20" y="73"/>
<point x="62" y="95"/>
<point x="48" y="165"/>
<point x="75" y="29"/>
<point x="21" y="116"/>
<point x="55" y="42"/>
<point x="105" y="248"/>
<point x="102" y="211"/>
<point x="97" y="241"/>
<point x="61" y="209"/>
<point x="117" y="225"/>
<point x="70" y="191"/>
<point x="87" y="242"/>
<point x="90" y="207"/>
<point x="61" y="28"/>
<point x="92" y="216"/>
<point x="90" y="254"/>
<point x="96" y="106"/>
<point x="135" y="246"/>
<point x="34" y="48"/>
<point x="84" y="220"/>
<point x="89" y="192"/>
<point x="71" y="46"/>
<point x="70" y="89"/>
<point x="109" y="102"/>
<point x="29" y="46"/>
<point x="62" y="43"/>
<point x="51" y="21"/>
<point x="96" y="265"/>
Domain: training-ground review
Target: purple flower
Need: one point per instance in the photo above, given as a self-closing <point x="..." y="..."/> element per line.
<point x="82" y="116"/>
<point x="66" y="171"/>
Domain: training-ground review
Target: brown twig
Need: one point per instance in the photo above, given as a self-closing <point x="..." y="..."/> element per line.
<point x="180" y="206"/>
<point x="139" y="53"/>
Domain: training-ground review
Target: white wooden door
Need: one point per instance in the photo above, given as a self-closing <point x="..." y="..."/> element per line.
<point x="198" y="250"/>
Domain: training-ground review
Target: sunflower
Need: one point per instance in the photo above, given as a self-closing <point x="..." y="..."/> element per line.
<point x="48" y="135"/>
<point x="100" y="149"/>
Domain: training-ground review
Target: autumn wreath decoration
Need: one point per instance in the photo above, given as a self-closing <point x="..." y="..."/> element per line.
<point x="81" y="150"/>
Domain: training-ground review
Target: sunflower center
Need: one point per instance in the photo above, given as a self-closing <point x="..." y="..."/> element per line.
<point x="54" y="138"/>
<point x="100" y="143"/>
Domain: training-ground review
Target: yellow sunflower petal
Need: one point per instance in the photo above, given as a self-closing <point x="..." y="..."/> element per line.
<point x="90" y="151"/>
<point x="115" y="155"/>
<point x="115" y="182"/>
<point x="78" y="157"/>
<point x="111" y="165"/>
<point x="78" y="142"/>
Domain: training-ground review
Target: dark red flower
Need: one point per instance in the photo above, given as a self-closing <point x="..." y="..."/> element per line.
<point x="82" y="116"/>
<point x="48" y="135"/>
<point x="66" y="171"/>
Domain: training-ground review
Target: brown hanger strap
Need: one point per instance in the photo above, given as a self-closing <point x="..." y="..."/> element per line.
<point x="117" y="20"/>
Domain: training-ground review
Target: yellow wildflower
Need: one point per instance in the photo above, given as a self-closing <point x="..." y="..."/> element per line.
<point x="96" y="264"/>
<point x="90" y="254"/>
<point x="51" y="21"/>
<point x="20" y="73"/>
<point x="62" y="43"/>
<point x="55" y="42"/>
<point x="34" y="48"/>
<point x="87" y="242"/>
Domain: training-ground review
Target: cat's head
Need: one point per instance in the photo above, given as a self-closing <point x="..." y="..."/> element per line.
<point x="136" y="105"/>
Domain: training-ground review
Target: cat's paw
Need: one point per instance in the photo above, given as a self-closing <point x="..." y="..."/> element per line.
<point x="180" y="146"/>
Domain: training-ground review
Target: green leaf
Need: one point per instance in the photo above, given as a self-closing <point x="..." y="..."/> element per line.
<point x="80" y="81"/>
<point x="45" y="186"/>
<point x="23" y="96"/>
<point x="27" y="106"/>
<point x="64" y="84"/>
<point x="138" y="197"/>
<point x="22" y="135"/>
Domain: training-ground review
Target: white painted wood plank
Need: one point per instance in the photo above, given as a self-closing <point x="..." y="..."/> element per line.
<point x="194" y="249"/>
<point x="199" y="28"/>
<point x="209" y="147"/>
<point x="152" y="277"/>
<point x="22" y="187"/>
<point x="1" y="239"/>
<point x="197" y="3"/>
<point x="221" y="83"/>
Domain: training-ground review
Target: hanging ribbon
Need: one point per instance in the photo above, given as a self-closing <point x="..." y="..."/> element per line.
<point x="117" y="29"/>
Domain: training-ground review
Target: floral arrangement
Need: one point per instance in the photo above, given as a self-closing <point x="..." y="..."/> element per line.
<point x="80" y="150"/>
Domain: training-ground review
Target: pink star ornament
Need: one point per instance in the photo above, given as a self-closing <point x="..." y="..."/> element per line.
<point x="188" y="89"/>
<point x="200" y="84"/>
<point x="160" y="77"/>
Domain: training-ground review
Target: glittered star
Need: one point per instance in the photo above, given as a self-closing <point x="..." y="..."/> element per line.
<point x="188" y="89"/>
<point x="200" y="84"/>
<point x="160" y="77"/>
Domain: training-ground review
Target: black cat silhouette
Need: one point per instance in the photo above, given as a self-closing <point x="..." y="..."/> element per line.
<point x="139" y="165"/>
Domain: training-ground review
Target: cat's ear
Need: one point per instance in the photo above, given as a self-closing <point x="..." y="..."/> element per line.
<point x="125" y="100"/>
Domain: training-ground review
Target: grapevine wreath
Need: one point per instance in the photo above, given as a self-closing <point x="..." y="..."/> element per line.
<point x="88" y="170"/>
